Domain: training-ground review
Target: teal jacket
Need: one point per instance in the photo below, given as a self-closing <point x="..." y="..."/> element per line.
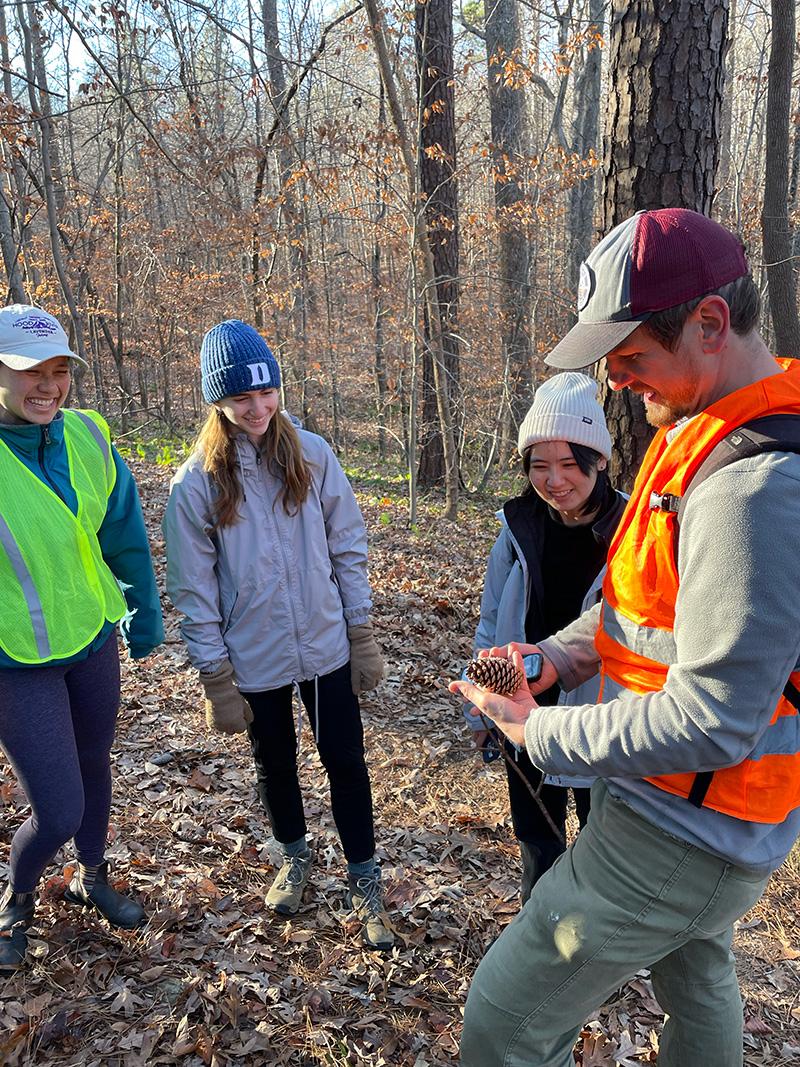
<point x="122" y="537"/>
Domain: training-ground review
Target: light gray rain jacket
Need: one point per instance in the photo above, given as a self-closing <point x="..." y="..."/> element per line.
<point x="273" y="592"/>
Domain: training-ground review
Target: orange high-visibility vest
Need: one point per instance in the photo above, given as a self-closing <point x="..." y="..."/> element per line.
<point x="635" y="637"/>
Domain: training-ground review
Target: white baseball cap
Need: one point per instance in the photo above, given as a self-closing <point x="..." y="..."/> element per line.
<point x="29" y="336"/>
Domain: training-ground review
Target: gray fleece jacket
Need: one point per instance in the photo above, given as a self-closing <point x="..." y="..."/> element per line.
<point x="737" y="631"/>
<point x="273" y="592"/>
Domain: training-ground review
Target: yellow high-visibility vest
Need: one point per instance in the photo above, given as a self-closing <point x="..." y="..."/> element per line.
<point x="56" y="590"/>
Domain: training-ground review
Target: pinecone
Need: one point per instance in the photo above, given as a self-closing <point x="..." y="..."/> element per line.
<point x="496" y="674"/>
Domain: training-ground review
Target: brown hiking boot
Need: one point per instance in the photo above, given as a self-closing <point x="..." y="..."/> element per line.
<point x="366" y="900"/>
<point x="286" y="893"/>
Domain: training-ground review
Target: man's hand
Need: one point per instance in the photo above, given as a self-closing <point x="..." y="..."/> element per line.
<point x="509" y="713"/>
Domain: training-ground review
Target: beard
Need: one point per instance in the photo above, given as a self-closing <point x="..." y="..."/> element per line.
<point x="659" y="415"/>
<point x="662" y="413"/>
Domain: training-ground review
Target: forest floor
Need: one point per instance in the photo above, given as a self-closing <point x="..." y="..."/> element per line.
<point x="216" y="979"/>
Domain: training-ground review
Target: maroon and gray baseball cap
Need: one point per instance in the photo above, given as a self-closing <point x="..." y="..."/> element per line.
<point x="653" y="261"/>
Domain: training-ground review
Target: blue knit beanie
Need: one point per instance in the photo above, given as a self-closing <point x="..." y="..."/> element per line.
<point x="235" y="358"/>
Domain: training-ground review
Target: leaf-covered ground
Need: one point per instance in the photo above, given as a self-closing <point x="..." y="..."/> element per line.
<point x="216" y="979"/>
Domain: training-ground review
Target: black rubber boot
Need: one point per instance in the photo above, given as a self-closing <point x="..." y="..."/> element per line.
<point x="117" y="909"/>
<point x="16" y="909"/>
<point x="13" y="946"/>
<point x="536" y="859"/>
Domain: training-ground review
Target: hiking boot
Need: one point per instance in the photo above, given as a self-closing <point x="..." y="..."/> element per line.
<point x="286" y="893"/>
<point x="16" y="908"/>
<point x="89" y="888"/>
<point x="13" y="946"/>
<point x="366" y="900"/>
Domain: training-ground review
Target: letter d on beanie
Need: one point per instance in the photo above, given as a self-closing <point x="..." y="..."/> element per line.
<point x="235" y="358"/>
<point x="566" y="408"/>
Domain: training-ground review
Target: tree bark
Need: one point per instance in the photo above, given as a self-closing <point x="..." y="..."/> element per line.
<point x="663" y="122"/>
<point x="437" y="162"/>
<point x="587" y="122"/>
<point x="661" y="144"/>
<point x="781" y="285"/>
<point x="510" y="147"/>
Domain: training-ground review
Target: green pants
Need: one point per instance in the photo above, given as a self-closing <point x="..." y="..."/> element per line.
<point x="624" y="896"/>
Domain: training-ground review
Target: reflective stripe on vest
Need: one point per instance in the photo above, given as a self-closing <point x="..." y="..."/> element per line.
<point x="635" y="638"/>
<point x="58" y="591"/>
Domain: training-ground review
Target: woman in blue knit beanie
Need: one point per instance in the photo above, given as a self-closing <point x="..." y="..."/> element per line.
<point x="267" y="562"/>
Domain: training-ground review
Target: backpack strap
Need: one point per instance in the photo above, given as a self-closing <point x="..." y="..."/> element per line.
<point x="772" y="433"/>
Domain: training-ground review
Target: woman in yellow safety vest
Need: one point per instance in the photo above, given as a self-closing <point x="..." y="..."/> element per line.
<point x="74" y="562"/>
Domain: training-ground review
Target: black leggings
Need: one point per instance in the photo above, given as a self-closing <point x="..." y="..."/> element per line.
<point x="335" y="718"/>
<point x="529" y="823"/>
<point x="56" y="728"/>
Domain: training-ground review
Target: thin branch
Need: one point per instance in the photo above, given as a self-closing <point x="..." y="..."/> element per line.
<point x="118" y="88"/>
<point x="299" y="78"/>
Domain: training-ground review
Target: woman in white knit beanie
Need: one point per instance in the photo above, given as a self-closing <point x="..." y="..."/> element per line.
<point x="544" y="570"/>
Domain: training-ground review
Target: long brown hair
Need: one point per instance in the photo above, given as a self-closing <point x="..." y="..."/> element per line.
<point x="281" y="449"/>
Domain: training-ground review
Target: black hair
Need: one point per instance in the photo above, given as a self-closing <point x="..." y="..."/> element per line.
<point x="587" y="460"/>
<point x="741" y="296"/>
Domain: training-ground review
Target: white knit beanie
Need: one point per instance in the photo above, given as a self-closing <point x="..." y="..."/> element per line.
<point x="566" y="408"/>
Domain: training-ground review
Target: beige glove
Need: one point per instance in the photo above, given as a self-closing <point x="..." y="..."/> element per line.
<point x="226" y="709"/>
<point x="366" y="661"/>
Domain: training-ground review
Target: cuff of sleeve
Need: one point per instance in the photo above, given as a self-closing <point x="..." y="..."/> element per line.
<point x="567" y="677"/>
<point x="141" y="651"/>
<point x="209" y="668"/>
<point x="358" y="613"/>
<point x="535" y="750"/>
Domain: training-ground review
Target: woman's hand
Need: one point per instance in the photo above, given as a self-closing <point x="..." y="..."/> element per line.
<point x="546" y="679"/>
<point x="509" y="713"/>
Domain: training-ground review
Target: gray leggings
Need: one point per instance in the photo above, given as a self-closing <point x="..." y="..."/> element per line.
<point x="56" y="728"/>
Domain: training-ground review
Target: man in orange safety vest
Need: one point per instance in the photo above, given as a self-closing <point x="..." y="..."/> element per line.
<point x="696" y="744"/>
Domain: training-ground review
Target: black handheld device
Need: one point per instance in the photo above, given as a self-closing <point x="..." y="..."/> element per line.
<point x="533" y="666"/>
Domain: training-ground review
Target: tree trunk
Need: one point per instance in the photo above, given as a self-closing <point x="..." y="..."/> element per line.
<point x="379" y="365"/>
<point x="661" y="144"/>
<point x="587" y="121"/>
<point x="775" y="216"/>
<point x="437" y="161"/>
<point x="291" y="226"/>
<point x="422" y="248"/>
<point x="32" y="46"/>
<point x="510" y="147"/>
<point x="661" y="147"/>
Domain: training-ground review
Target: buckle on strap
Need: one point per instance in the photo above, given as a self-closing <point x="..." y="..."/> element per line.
<point x="664" y="502"/>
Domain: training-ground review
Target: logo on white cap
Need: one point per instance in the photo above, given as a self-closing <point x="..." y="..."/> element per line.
<point x="259" y="374"/>
<point x="38" y="325"/>
<point x="585" y="286"/>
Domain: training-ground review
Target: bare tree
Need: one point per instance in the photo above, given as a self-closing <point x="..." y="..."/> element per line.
<point x="782" y="287"/>
<point x="437" y="164"/>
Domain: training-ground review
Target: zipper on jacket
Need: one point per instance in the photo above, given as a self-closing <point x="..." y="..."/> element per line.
<point x="45" y="440"/>
<point x="288" y="572"/>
